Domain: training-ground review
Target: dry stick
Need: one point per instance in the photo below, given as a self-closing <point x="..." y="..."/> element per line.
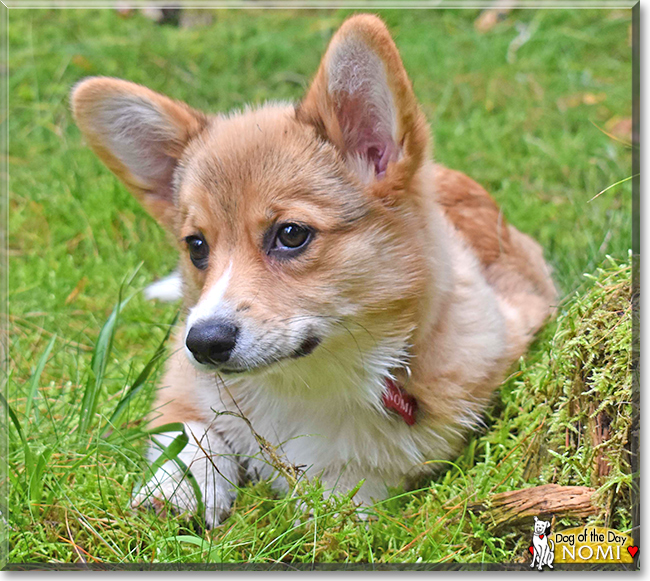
<point x="393" y="520"/>
<point x="288" y="470"/>
<point x="409" y="545"/>
<point x="76" y="547"/>
<point x="515" y="505"/>
<point x="622" y="141"/>
<point x="249" y="511"/>
<point x="520" y="443"/>
<point x="450" y="555"/>
<point x="96" y="534"/>
<point x="517" y="464"/>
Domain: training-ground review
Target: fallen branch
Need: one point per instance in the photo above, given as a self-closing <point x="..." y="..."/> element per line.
<point x="543" y="501"/>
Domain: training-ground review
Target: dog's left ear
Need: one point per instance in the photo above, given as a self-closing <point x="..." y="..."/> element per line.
<point x="362" y="101"/>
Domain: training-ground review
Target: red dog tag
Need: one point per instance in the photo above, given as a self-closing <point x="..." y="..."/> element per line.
<point x="396" y="398"/>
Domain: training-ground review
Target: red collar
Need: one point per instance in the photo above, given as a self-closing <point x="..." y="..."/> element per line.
<point x="396" y="398"/>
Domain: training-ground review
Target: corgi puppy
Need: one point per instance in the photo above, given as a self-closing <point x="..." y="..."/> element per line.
<point x="350" y="304"/>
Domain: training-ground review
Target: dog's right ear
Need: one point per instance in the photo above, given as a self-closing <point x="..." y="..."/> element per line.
<point x="140" y="135"/>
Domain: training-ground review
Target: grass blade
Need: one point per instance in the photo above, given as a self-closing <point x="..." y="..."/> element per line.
<point x="29" y="460"/>
<point x="171" y="453"/>
<point x="139" y="382"/>
<point x="99" y="362"/>
<point x="33" y="384"/>
<point x="101" y="355"/>
<point x="13" y="417"/>
<point x="171" y="427"/>
<point x="627" y="179"/>
<point x="36" y="478"/>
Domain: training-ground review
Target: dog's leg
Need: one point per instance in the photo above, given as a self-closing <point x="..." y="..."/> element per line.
<point x="550" y="556"/>
<point x="213" y="466"/>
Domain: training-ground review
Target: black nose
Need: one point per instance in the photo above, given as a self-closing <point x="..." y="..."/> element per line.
<point x="212" y="341"/>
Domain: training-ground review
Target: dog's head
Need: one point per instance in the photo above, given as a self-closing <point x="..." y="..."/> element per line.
<point x="542" y="527"/>
<point x="299" y="226"/>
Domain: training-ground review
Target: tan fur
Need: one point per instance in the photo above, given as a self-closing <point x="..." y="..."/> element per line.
<point x="172" y="402"/>
<point x="415" y="269"/>
<point x="512" y="262"/>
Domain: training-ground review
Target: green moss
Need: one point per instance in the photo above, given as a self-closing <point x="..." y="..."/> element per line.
<point x="583" y="386"/>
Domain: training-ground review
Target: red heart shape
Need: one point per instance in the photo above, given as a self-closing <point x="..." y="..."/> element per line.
<point x="541" y="536"/>
<point x="633" y="550"/>
<point x="532" y="550"/>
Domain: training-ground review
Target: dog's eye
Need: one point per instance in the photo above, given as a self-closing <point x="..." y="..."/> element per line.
<point x="292" y="236"/>
<point x="290" y="239"/>
<point x="199" y="251"/>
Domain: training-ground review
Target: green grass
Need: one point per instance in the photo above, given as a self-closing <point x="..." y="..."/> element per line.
<point x="531" y="130"/>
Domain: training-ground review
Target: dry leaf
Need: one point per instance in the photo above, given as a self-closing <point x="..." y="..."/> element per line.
<point x="82" y="62"/>
<point x="76" y="290"/>
<point x="490" y="17"/>
<point x="621" y="128"/>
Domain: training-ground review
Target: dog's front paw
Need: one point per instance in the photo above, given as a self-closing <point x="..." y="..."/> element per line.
<point x="168" y="491"/>
<point x="215" y="473"/>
